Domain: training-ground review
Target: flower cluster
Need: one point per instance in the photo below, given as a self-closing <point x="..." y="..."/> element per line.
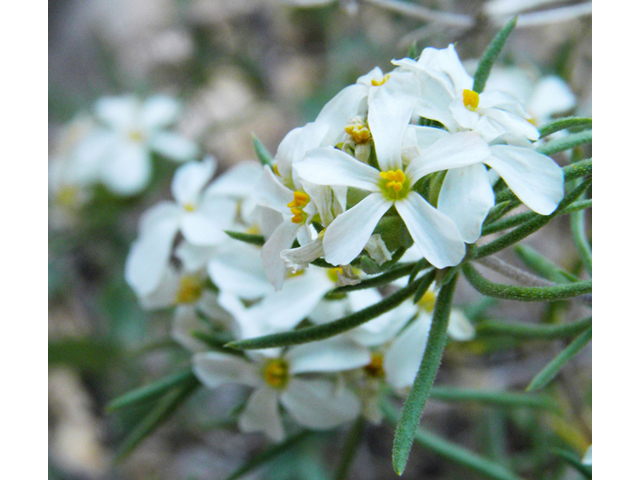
<point x="396" y="166"/>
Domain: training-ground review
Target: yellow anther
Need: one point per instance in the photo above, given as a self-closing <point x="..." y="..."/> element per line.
<point x="276" y="373"/>
<point x="275" y="169"/>
<point x="332" y="273"/>
<point x="300" y="200"/>
<point x="377" y="83"/>
<point x="190" y="290"/>
<point x="358" y="130"/>
<point x="397" y="186"/>
<point x="189" y="207"/>
<point x="136" y="135"/>
<point x="470" y="99"/>
<point x="428" y="301"/>
<point x="375" y="368"/>
<point x="253" y="230"/>
<point x="394" y="184"/>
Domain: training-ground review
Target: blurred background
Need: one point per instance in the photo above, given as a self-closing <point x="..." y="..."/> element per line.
<point x="265" y="67"/>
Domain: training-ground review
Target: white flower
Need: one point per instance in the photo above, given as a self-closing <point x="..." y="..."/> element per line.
<point x="120" y="153"/>
<point x="435" y="234"/>
<point x="200" y="215"/>
<point x="313" y="402"/>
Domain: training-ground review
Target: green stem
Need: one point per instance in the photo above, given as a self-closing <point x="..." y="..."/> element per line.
<point x="580" y="239"/>
<point x="451" y="451"/>
<point x="528" y="331"/>
<point x="524" y="294"/>
<point x="565" y="143"/>
<point x="417" y="398"/>
<point x="490" y="55"/>
<point x="549" y="372"/>
<point x="499" y="399"/>
<point x="350" y="448"/>
<point x="399" y="271"/>
<point x="327" y="330"/>
<point x="563" y="123"/>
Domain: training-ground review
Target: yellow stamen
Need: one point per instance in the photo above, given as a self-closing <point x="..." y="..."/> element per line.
<point x="275" y="169"/>
<point x="189" y="207"/>
<point x="332" y="273"/>
<point x="470" y="99"/>
<point x="377" y="83"/>
<point x="358" y="130"/>
<point x="394" y="185"/>
<point x="375" y="368"/>
<point x="276" y="373"/>
<point x="300" y="200"/>
<point x="136" y="136"/>
<point x="190" y="290"/>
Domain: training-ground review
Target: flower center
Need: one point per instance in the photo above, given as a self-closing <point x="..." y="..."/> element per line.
<point x="358" y="131"/>
<point x="300" y="200"/>
<point x="394" y="185"/>
<point x="332" y="273"/>
<point x="190" y="290"/>
<point x="470" y="99"/>
<point x="376" y="83"/>
<point x="276" y="373"/>
<point x="375" y="368"/>
<point x="67" y="196"/>
<point x="189" y="207"/>
<point x="136" y="135"/>
<point x="428" y="301"/>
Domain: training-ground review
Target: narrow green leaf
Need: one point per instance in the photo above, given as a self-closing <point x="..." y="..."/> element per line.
<point x="419" y="265"/>
<point x="417" y="398"/>
<point x="543" y="266"/>
<point x="246" y="237"/>
<point x="490" y="56"/>
<point x="451" y="451"/>
<point x="435" y="185"/>
<point x="529" y="331"/>
<point x="580" y="239"/>
<point x="261" y="151"/>
<point x="269" y="454"/>
<point x="574" y="461"/>
<point x="349" y="449"/>
<point x="398" y="271"/>
<point x="215" y="342"/>
<point x="501" y="208"/>
<point x="565" y="143"/>
<point x="162" y="410"/>
<point x="327" y="330"/>
<point x="549" y="372"/>
<point x="499" y="399"/>
<point x="425" y="283"/>
<point x="151" y="391"/>
<point x="563" y="123"/>
<point x="532" y="225"/>
<point x="524" y="294"/>
<point x="578" y="169"/>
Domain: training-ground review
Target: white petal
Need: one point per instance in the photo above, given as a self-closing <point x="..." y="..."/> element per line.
<point x="174" y="146"/>
<point x="535" y="178"/>
<point x="316" y="404"/>
<point x="159" y="111"/>
<point x="261" y="414"/>
<point x="118" y="112"/>
<point x="194" y="257"/>
<point x="348" y="103"/>
<point x="551" y="95"/>
<point x="190" y="179"/>
<point x="127" y="171"/>
<point x="389" y="115"/>
<point x="162" y="212"/>
<point x="466" y="197"/>
<point x="149" y="257"/>
<point x="200" y="228"/>
<point x="424" y="137"/>
<point x="402" y="359"/>
<point x="435" y="234"/>
<point x="385" y="327"/>
<point x="328" y="166"/>
<point x="452" y="151"/>
<point x="347" y="235"/>
<point x="271" y="193"/>
<point x="238" y="182"/>
<point x="281" y="239"/>
<point x="214" y="369"/>
<point x="460" y="328"/>
<point x="165" y="294"/>
<point x="299" y="258"/>
<point x="237" y="268"/>
<point x="513" y="124"/>
<point x="332" y="355"/>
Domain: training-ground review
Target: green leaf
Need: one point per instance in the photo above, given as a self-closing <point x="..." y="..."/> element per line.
<point x="529" y="331"/>
<point x="425" y="283"/>
<point x="574" y="461"/>
<point x="398" y="271"/>
<point x="490" y="56"/>
<point x="85" y="354"/>
<point x="151" y="391"/>
<point x="417" y="398"/>
<point x="269" y="454"/>
<point x="158" y="414"/>
<point x="549" y="372"/>
<point x="524" y="294"/>
<point x="580" y="239"/>
<point x="246" y="237"/>
<point x="532" y="225"/>
<point x="261" y="151"/>
<point x="543" y="266"/>
<point x="493" y="398"/>
<point x="453" y="452"/>
<point x="565" y="143"/>
<point x="563" y="123"/>
<point x="327" y="330"/>
<point x="349" y="449"/>
<point x="435" y="185"/>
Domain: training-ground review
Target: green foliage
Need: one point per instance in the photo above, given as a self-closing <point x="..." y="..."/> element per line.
<point x="570" y="141"/>
<point x="261" y="151"/>
<point x="573" y="123"/>
<point x="490" y="56"/>
<point x="246" y="237"/>
<point x="529" y="331"/>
